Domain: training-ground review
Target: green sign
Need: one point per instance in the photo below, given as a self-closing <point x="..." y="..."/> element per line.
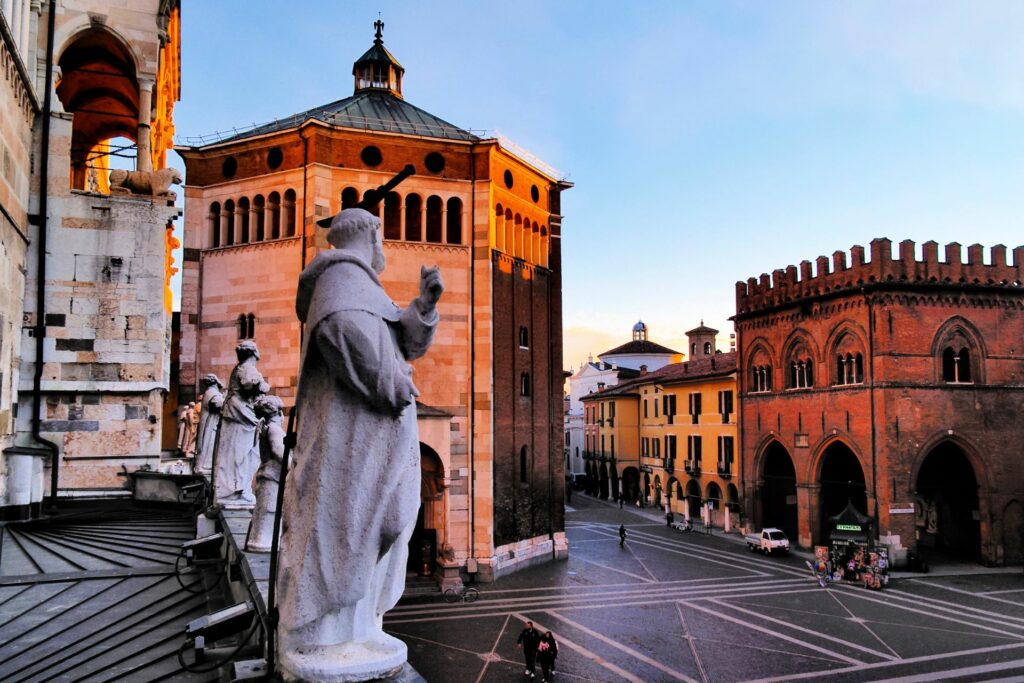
<point x="847" y="527"/>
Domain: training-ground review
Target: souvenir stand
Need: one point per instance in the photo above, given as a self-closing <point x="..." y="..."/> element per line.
<point x="853" y="557"/>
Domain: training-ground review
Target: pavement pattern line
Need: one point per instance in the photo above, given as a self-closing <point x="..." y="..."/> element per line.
<point x="775" y="634"/>
<point x="933" y="584"/>
<point x="902" y="662"/>
<point x="620" y="571"/>
<point x="948" y="606"/>
<point x="1000" y="592"/>
<point x="623" y="648"/>
<point x="639" y="561"/>
<point x="689" y="641"/>
<point x="959" y="673"/>
<point x="494" y="649"/>
<point x="808" y="631"/>
<point x="592" y="656"/>
<point x="864" y="624"/>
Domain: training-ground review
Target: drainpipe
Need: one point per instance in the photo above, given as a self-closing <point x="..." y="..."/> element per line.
<point x="472" y="351"/>
<point x="40" y="326"/>
<point x="871" y="390"/>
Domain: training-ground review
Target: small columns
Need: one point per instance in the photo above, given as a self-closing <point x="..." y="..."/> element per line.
<point x="143" y="141"/>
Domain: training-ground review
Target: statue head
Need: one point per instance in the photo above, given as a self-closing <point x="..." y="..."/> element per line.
<point x="210" y="380"/>
<point x="268" y="406"/>
<point x="358" y="230"/>
<point x="246" y="350"/>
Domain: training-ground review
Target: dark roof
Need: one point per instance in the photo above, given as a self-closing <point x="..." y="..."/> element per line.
<point x="367" y="110"/>
<point x="377" y="53"/>
<point x="703" y="329"/>
<point x="637" y="346"/>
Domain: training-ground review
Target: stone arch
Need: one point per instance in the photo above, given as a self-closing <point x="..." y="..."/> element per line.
<point x="841" y="476"/>
<point x="214" y="225"/>
<point x="434" y="219"/>
<point x="657" y="490"/>
<point x="259" y="215"/>
<point x="413" y="217"/>
<point x="693" y="498"/>
<point x="499" y="228"/>
<point x="777" y="487"/>
<point x="431" y="522"/>
<point x="274" y="211"/>
<point x="948" y="490"/>
<point x="603" y="481"/>
<point x="510" y="233"/>
<point x="630" y="484"/>
<point x="67" y="33"/>
<point x="393" y="216"/>
<point x="673" y="491"/>
<point x="288" y="213"/>
<point x="453" y="222"/>
<point x="716" y="501"/>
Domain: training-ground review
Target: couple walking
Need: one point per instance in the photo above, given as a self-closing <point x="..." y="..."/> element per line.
<point x="538" y="649"/>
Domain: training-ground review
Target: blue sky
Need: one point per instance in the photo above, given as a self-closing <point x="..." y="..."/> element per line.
<point x="708" y="141"/>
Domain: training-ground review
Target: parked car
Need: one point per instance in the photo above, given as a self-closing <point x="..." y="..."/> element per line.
<point x="768" y="541"/>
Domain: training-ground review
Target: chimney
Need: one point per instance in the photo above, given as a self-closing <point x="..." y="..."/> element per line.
<point x="600" y="386"/>
<point x="643" y="369"/>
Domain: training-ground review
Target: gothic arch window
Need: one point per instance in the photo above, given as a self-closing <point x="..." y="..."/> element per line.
<point x="848" y="354"/>
<point x="959" y="353"/>
<point x="799" y="367"/>
<point x="215" y="224"/>
<point x="759" y="377"/>
<point x="435" y="209"/>
<point x="454" y="227"/>
<point x="288" y="211"/>
<point x="524" y="384"/>
<point x="956" y="365"/>
<point x="393" y="216"/>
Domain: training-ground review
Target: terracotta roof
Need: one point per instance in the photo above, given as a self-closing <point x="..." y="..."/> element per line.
<point x="638" y="347"/>
<point x="702" y="329"/>
<point x="704" y="367"/>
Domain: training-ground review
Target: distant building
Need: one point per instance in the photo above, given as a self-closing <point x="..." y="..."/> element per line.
<point x="86" y="268"/>
<point x="896" y="384"/>
<point x="621" y="363"/>
<point x="489" y="216"/>
<point x="668" y="437"/>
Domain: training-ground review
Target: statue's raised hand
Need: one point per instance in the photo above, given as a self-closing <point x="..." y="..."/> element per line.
<point x="431" y="288"/>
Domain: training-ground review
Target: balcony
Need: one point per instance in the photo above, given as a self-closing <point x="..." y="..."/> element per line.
<point x="692" y="468"/>
<point x="724" y="471"/>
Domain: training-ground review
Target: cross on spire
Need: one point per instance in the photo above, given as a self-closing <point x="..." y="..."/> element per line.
<point x="379" y="25"/>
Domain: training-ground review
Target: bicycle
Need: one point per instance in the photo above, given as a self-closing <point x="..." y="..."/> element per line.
<point x="466" y="594"/>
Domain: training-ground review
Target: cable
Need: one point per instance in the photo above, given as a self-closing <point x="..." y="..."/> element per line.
<point x="177" y="576"/>
<point x="181" y="652"/>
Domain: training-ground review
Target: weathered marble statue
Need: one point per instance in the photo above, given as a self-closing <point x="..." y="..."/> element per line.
<point x="209" y="420"/>
<point x="237" y="455"/>
<point x="188" y="422"/>
<point x="351" y="499"/>
<point x="261" y="527"/>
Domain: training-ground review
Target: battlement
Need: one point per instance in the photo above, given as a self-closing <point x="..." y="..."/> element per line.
<point x="790" y="283"/>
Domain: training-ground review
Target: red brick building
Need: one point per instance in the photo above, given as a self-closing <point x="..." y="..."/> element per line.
<point x="895" y="383"/>
<point x="491" y="385"/>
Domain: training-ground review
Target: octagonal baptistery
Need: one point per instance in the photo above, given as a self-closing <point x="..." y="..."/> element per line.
<point x="491" y="385"/>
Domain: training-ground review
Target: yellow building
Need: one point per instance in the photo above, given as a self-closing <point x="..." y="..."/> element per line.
<point x="668" y="438"/>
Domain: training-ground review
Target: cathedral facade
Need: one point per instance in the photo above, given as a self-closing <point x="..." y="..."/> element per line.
<point x="490" y="403"/>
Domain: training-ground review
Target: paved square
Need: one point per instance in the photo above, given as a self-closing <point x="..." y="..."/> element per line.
<point x="674" y="606"/>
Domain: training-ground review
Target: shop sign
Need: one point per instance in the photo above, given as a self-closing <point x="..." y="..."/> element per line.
<point x="848" y="527"/>
<point x="646" y="468"/>
<point x="901" y="508"/>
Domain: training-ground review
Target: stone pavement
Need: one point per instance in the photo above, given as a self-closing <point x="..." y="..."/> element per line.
<point x="674" y="606"/>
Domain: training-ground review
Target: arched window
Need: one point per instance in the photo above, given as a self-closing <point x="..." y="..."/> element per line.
<point x="259" y="214"/>
<point x="251" y="326"/>
<point x="413" y="218"/>
<point x="243" y="326"/>
<point x="523" y="462"/>
<point x="801" y="368"/>
<point x="524" y="384"/>
<point x="435" y="207"/>
<point x="499" y="228"/>
<point x="850" y="368"/>
<point x="376" y="209"/>
<point x="693" y="350"/>
<point x="274" y="209"/>
<point x="544" y="246"/>
<point x="519" y="248"/>
<point x="707" y="348"/>
<point x="510" y="238"/>
<point x="288" y="209"/>
<point x="454" y="223"/>
<point x="524" y="338"/>
<point x="229" y="222"/>
<point x="956" y="365"/>
<point x="215" y="224"/>
<point x="349" y="198"/>
<point x="243" y="219"/>
<point x="393" y="216"/>
<point x="760" y="378"/>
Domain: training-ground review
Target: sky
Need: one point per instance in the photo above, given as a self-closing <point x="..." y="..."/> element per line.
<point x="708" y="141"/>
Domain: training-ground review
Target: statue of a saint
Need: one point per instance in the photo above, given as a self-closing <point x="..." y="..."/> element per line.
<point x="237" y="454"/>
<point x="271" y="434"/>
<point x="209" y="419"/>
<point x="351" y="500"/>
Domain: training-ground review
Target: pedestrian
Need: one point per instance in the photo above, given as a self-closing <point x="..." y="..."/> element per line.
<point x="622" y="535"/>
<point x="529" y="641"/>
<point x="622" y="499"/>
<point x="547" y="652"/>
<point x="669" y="518"/>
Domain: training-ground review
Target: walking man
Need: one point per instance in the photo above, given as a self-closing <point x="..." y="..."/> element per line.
<point x="669" y="518"/>
<point x="622" y="535"/>
<point x="528" y="641"/>
<point x="621" y="499"/>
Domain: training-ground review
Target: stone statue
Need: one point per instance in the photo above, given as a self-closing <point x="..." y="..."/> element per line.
<point x="209" y="420"/>
<point x="261" y="528"/>
<point x="155" y="183"/>
<point x="351" y="500"/>
<point x="187" y="423"/>
<point x="236" y="455"/>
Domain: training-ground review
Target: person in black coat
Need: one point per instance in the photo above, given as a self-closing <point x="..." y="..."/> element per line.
<point x="529" y="640"/>
<point x="622" y="535"/>
<point x="547" y="651"/>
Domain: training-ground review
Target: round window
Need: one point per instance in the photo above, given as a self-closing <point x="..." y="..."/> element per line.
<point x="230" y="167"/>
<point x="508" y="179"/>
<point x="371" y="156"/>
<point x="434" y="162"/>
<point x="274" y="158"/>
<point x="535" y="193"/>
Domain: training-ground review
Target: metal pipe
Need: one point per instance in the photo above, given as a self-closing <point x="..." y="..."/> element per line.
<point x="40" y="326"/>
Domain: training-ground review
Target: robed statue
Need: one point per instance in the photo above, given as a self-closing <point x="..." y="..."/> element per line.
<point x="352" y="495"/>
<point x="271" y="443"/>
<point x="236" y="456"/>
<point x="209" y="420"/>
